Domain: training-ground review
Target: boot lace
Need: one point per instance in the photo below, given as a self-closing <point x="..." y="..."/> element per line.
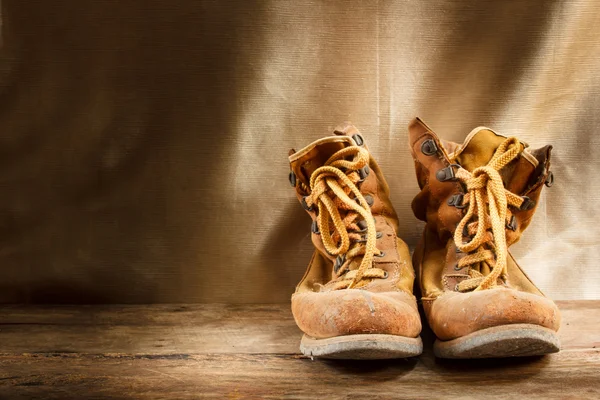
<point x="330" y="187"/>
<point x="488" y="201"/>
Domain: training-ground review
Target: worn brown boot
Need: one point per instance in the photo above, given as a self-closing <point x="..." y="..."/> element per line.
<point x="477" y="198"/>
<point x="355" y="300"/>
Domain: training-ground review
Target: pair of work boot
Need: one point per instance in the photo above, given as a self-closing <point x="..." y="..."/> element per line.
<point x="356" y="299"/>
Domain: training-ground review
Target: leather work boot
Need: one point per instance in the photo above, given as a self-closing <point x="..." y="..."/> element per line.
<point x="477" y="198"/>
<point x="355" y="300"/>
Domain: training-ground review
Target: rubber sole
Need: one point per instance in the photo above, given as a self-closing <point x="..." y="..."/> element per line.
<point x="362" y="347"/>
<point x="516" y="340"/>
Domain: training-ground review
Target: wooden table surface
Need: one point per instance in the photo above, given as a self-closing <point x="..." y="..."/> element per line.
<point x="251" y="351"/>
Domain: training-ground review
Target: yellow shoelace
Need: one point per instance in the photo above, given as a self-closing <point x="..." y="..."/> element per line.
<point x="489" y="201"/>
<point x="330" y="188"/>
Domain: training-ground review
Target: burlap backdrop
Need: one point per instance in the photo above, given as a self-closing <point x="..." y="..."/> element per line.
<point x="144" y="143"/>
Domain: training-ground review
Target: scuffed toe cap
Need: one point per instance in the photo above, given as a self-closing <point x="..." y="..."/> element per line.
<point x="355" y="311"/>
<point x="454" y="314"/>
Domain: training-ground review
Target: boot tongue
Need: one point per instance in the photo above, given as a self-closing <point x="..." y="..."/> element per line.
<point x="315" y="155"/>
<point x="319" y="155"/>
<point x="479" y="148"/>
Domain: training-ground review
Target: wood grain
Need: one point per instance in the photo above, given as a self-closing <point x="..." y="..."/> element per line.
<point x="160" y="329"/>
<point x="225" y="351"/>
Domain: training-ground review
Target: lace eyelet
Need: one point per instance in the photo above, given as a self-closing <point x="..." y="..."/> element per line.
<point x="368" y="198"/>
<point x="512" y="225"/>
<point x="456" y="288"/>
<point x="292" y="178"/>
<point x="549" y="179"/>
<point x="466" y="231"/>
<point x="457" y="201"/>
<point x="314" y="227"/>
<point x="385" y="275"/>
<point x="457" y="268"/>
<point x="527" y="204"/>
<point x="358" y="139"/>
<point x="381" y="254"/>
<point x="428" y="147"/>
<point x="446" y="174"/>
<point x="362" y="224"/>
<point x="306" y="206"/>
<point x="363" y="173"/>
<point x="339" y="261"/>
<point x="363" y="238"/>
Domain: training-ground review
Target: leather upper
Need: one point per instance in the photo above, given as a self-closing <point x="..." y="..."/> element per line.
<point x="451" y="313"/>
<point x="384" y="306"/>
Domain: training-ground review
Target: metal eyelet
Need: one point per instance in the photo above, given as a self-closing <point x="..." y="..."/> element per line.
<point x="363" y="173"/>
<point x="428" y="147"/>
<point x="339" y="261"/>
<point x="549" y="179"/>
<point x="362" y="224"/>
<point x="292" y="178"/>
<point x="446" y="174"/>
<point x="457" y="268"/>
<point x="381" y="254"/>
<point x="314" y="227"/>
<point x="457" y="201"/>
<point x="456" y="288"/>
<point x="363" y="239"/>
<point x="385" y="275"/>
<point x="466" y="230"/>
<point x="512" y="225"/>
<point x="358" y="139"/>
<point x="305" y="206"/>
<point x="368" y="198"/>
<point x="527" y="204"/>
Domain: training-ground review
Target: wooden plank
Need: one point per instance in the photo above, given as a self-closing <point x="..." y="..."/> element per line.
<point x="199" y="329"/>
<point x="160" y="329"/>
<point x="565" y="375"/>
<point x="227" y="351"/>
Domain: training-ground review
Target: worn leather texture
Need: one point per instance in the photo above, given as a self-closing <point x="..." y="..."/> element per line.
<point x="452" y="313"/>
<point x="144" y="143"/>
<point x="383" y="305"/>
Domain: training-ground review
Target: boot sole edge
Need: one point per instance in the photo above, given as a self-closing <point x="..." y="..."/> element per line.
<point x="362" y="347"/>
<point x="518" y="340"/>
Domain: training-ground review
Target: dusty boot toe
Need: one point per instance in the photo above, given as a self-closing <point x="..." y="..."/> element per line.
<point x="456" y="314"/>
<point x="355" y="311"/>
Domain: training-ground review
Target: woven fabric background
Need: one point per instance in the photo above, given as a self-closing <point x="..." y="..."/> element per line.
<point x="143" y="144"/>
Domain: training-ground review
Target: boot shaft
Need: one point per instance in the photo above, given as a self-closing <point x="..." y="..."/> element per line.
<point x="437" y="161"/>
<point x="372" y="184"/>
<point x="476" y="198"/>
